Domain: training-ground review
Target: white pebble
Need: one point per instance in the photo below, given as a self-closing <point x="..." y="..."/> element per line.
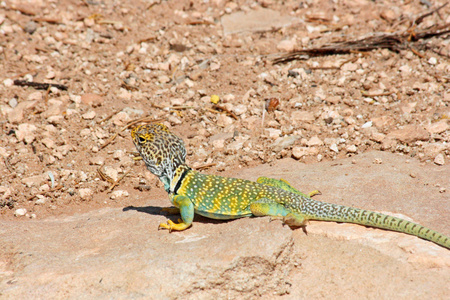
<point x="367" y="124"/>
<point x="13" y="102"/>
<point x="351" y="149"/>
<point x="432" y="61"/>
<point x="20" y="212"/>
<point x="334" y="148"/>
<point x="8" y="82"/>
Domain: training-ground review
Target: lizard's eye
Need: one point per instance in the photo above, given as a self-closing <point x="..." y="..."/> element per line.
<point x="141" y="139"/>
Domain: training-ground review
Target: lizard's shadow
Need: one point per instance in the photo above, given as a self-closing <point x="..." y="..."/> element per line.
<point x="157" y="211"/>
<point x="152" y="210"/>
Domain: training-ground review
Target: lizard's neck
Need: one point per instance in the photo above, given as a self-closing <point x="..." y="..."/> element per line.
<point x="178" y="175"/>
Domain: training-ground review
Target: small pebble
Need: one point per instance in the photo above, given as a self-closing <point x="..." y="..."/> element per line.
<point x="367" y="124"/>
<point x="286" y="45"/>
<point x="93" y="100"/>
<point x="351" y="149"/>
<point x="215" y="99"/>
<point x="228" y="98"/>
<point x="334" y="148"/>
<point x="20" y="212"/>
<point x="314" y="141"/>
<point x="8" y="82"/>
<point x="432" y="61"/>
<point x="378" y="161"/>
<point x="89" y="115"/>
<point x="239" y="109"/>
<point x="439" y="159"/>
<point x="121" y="118"/>
<point x="299" y="152"/>
<point x="218" y="144"/>
<point x="41" y="200"/>
<point x="13" y="102"/>
<point x="119" y="194"/>
<point x="177" y="101"/>
<point x="86" y="193"/>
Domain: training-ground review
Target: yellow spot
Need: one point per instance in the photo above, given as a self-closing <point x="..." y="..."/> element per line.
<point x="215" y="99"/>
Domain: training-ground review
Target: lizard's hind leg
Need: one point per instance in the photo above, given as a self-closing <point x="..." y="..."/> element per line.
<point x="284" y="185"/>
<point x="268" y="207"/>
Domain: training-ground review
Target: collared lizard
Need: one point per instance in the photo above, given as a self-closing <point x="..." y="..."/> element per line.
<point x="225" y="198"/>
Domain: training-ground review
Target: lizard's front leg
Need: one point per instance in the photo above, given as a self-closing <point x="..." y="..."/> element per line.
<point x="186" y="211"/>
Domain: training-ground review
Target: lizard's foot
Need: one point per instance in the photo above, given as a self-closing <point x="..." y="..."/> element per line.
<point x="295" y="220"/>
<point x="171" y="210"/>
<point x="174" y="226"/>
<point x="313" y="193"/>
<point x="292" y="220"/>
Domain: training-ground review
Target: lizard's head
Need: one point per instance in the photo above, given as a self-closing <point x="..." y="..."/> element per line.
<point x="161" y="150"/>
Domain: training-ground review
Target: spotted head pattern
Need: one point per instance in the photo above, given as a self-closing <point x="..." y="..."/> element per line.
<point x="162" y="151"/>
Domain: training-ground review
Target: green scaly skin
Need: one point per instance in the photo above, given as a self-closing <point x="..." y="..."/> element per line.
<point x="229" y="198"/>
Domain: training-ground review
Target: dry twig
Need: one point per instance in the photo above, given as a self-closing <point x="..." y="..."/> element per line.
<point x="205" y="166"/>
<point x="40" y="85"/>
<point x="392" y="41"/>
<point x="105" y="177"/>
<point x="47" y="193"/>
<point x="8" y="165"/>
<point x="116" y="183"/>
<point x="223" y="108"/>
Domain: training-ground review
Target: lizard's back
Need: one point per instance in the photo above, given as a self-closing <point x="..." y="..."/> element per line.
<point x="226" y="198"/>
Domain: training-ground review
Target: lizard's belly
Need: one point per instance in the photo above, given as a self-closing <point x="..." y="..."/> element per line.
<point x="221" y="216"/>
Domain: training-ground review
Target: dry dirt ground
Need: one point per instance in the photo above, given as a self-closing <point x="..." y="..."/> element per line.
<point x="163" y="60"/>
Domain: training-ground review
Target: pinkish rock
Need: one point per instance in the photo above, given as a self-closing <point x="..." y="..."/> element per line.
<point x="93" y="100"/>
<point x="286" y="45"/>
<point x="86" y="193"/>
<point x="438" y="127"/>
<point x="410" y="134"/>
<point x="33" y="181"/>
<point x="26" y="132"/>
<point x="381" y="122"/>
<point x="439" y="159"/>
<point x="314" y="141"/>
<point x="17" y="114"/>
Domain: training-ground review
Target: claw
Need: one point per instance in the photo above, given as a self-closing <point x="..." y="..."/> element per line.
<point x="165" y="226"/>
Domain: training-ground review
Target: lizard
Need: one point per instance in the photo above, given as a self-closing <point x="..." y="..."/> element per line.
<point x="217" y="197"/>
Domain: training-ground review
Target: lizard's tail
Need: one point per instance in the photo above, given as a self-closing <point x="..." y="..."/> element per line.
<point x="338" y="213"/>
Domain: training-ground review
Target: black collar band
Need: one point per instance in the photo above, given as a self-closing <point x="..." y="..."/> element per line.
<point x="178" y="185"/>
